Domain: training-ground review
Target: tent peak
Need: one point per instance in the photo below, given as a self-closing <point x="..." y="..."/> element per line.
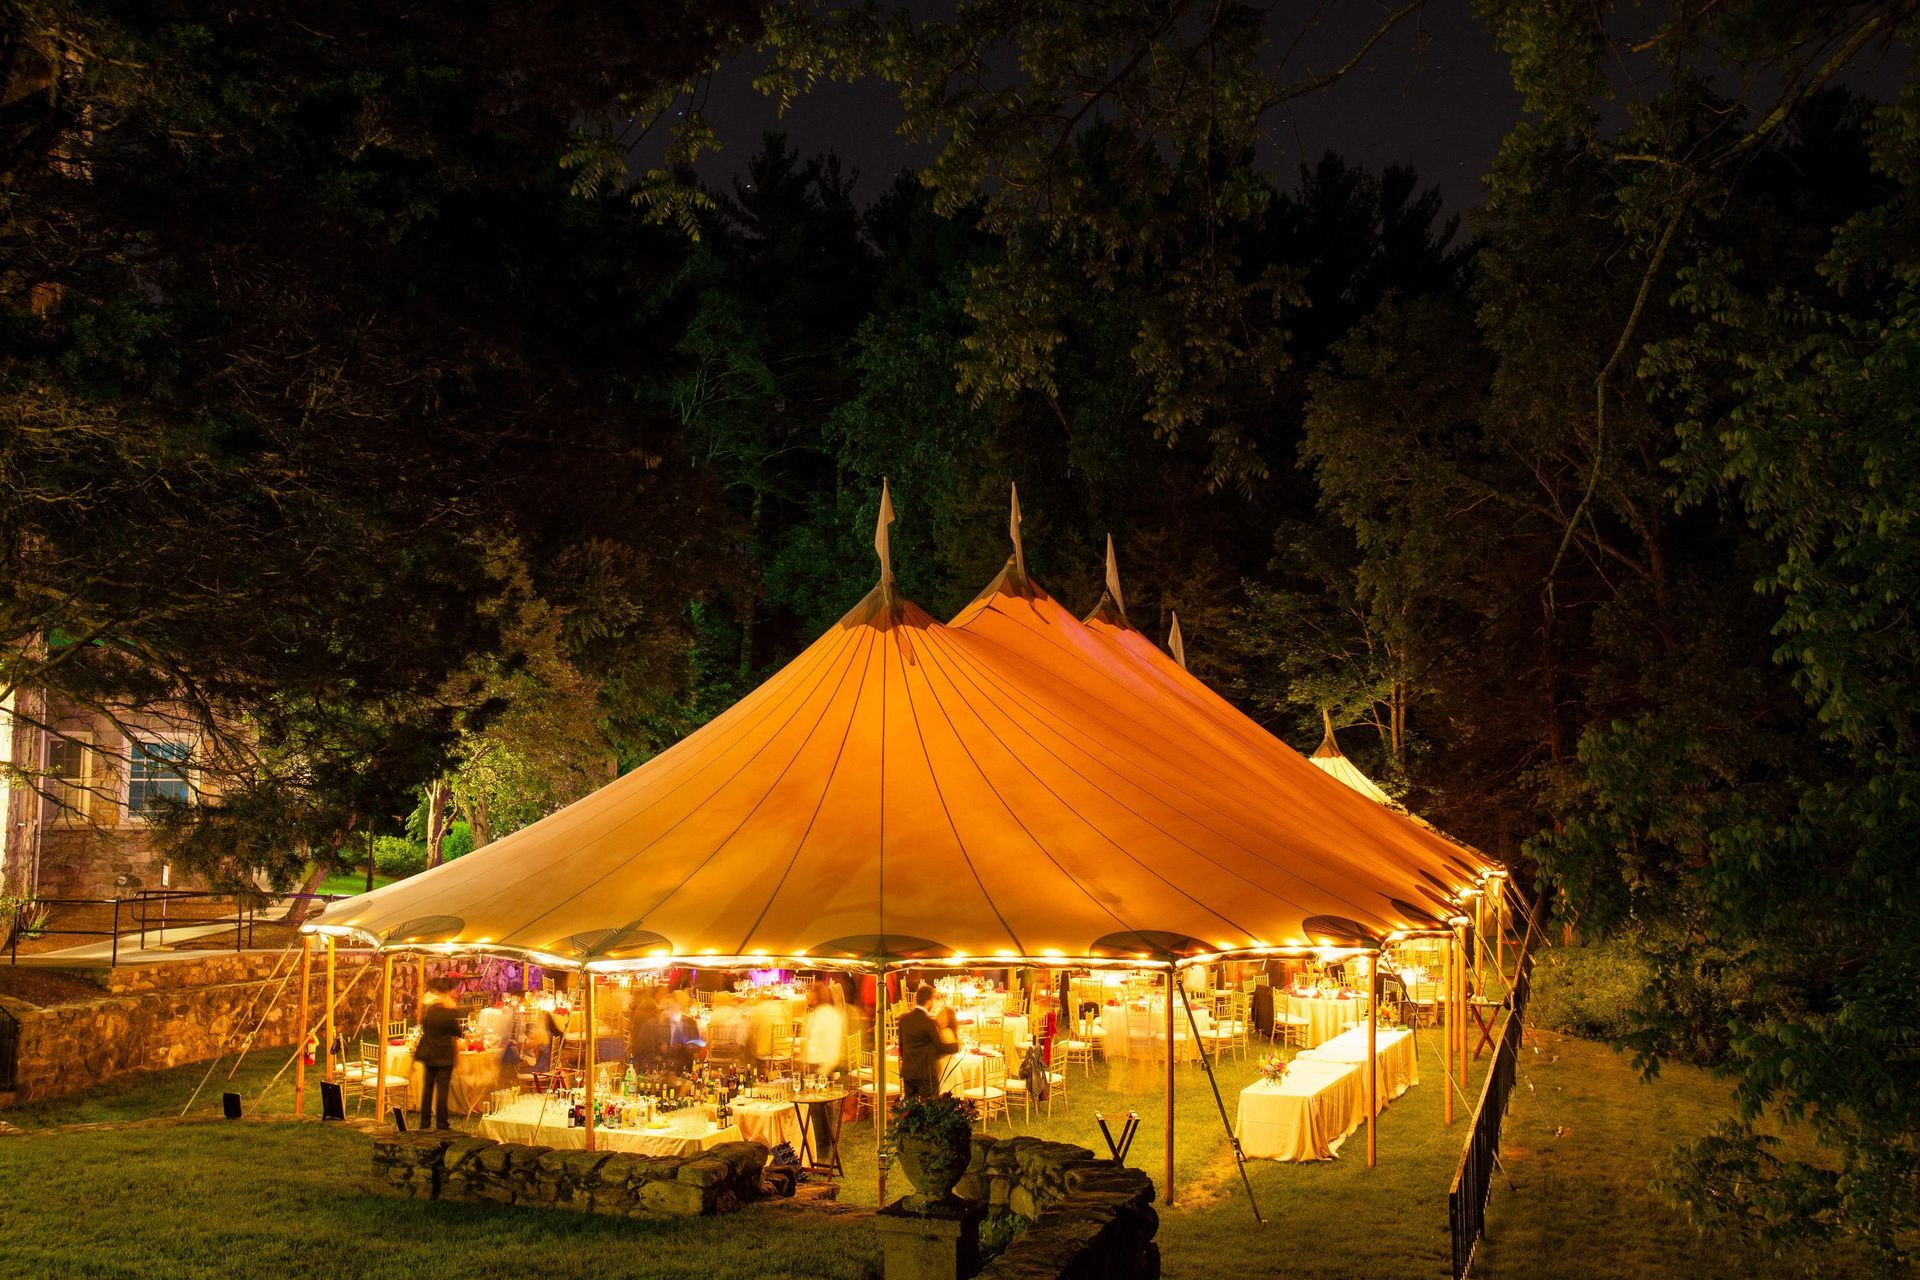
<point x="882" y="543"/>
<point x="1019" y="561"/>
<point x="1113" y="605"/>
<point x="1176" y="643"/>
<point x="1329" y="747"/>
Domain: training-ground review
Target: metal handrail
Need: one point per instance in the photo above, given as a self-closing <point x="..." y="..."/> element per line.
<point x="245" y="915"/>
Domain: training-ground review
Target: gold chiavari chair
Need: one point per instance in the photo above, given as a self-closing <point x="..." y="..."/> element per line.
<point x="989" y="1096"/>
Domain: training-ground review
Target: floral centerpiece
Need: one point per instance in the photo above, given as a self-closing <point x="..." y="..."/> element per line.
<point x="1273" y="1068"/>
<point x="933" y="1138"/>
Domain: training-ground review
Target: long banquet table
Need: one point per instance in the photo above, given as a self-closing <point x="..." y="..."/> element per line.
<point x="1304" y="1117"/>
<point x="1394" y="1049"/>
<point x="687" y="1133"/>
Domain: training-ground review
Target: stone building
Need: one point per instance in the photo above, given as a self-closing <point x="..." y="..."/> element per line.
<point x="75" y="785"/>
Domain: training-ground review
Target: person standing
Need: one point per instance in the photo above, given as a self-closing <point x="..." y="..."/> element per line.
<point x="924" y="1046"/>
<point x="437" y="1051"/>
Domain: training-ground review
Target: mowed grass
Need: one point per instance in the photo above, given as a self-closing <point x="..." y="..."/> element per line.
<point x="256" y="1199"/>
<point x="266" y="1201"/>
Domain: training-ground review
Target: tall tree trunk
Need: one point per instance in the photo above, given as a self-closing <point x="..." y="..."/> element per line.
<point x="317" y="871"/>
<point x="482" y="828"/>
<point x="439" y="793"/>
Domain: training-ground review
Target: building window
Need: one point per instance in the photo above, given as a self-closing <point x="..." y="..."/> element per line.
<point x="70" y="778"/>
<point x="156" y="770"/>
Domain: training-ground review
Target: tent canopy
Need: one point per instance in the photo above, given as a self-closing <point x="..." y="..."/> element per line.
<point x="904" y="791"/>
<point x="1014" y="786"/>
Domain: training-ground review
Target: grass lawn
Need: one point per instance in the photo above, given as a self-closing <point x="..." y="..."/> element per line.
<point x="345" y="884"/>
<point x="269" y="1201"/>
<point x="281" y="1196"/>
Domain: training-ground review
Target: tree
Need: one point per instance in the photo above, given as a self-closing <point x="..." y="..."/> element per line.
<point x="297" y="316"/>
<point x="1740" y="791"/>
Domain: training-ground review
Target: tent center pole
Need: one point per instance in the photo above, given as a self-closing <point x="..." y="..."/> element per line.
<point x="591" y="1030"/>
<point x="330" y="1002"/>
<point x="1373" y="1057"/>
<point x="1172" y="982"/>
<point x="386" y="1018"/>
<point x="880" y="1085"/>
<point x="300" y="1027"/>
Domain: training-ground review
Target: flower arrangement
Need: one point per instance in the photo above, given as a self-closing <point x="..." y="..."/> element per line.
<point x="1273" y="1068"/>
<point x="932" y="1117"/>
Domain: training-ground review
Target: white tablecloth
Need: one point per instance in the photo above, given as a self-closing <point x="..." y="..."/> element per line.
<point x="688" y="1133"/>
<point x="771" y="1123"/>
<point x="1399" y="1064"/>
<point x="1327" y="1016"/>
<point x="1132" y="1032"/>
<point x="1306" y="1115"/>
<point x="963" y="1070"/>
<point x="475" y="1076"/>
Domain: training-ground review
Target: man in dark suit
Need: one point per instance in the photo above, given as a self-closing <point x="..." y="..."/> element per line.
<point x="923" y="1044"/>
<point x="438" y="1047"/>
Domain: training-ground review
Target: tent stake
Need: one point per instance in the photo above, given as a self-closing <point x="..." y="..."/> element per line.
<point x="1239" y="1158"/>
<point x="1171" y="983"/>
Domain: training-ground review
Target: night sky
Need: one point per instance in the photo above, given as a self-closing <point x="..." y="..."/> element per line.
<point x="1435" y="94"/>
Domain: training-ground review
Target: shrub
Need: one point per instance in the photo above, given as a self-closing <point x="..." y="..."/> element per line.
<point x="457" y="843"/>
<point x="399" y="858"/>
<point x="1660" y="993"/>
<point x="1590" y="990"/>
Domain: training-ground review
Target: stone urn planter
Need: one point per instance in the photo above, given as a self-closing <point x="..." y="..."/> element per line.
<point x="933" y="1139"/>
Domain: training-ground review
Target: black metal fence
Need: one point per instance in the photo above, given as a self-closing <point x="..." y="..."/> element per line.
<point x="1467" y="1197"/>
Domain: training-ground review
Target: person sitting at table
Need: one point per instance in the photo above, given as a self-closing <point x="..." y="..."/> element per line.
<point x="438" y="1049"/>
<point x="925" y="1044"/>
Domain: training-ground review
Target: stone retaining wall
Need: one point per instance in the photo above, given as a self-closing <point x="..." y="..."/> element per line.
<point x="1091" y="1219"/>
<point x="459" y="1167"/>
<point x="150" y="1017"/>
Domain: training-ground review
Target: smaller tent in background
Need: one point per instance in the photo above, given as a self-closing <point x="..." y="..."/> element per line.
<point x="1328" y="758"/>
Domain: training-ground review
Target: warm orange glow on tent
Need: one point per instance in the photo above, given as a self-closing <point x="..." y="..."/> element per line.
<point x="906" y="790"/>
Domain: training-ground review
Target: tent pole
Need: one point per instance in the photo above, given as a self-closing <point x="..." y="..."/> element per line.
<point x="420" y="988"/>
<point x="330" y="1003"/>
<point x="1452" y="1015"/>
<point x="1500" y="929"/>
<point x="1239" y="1158"/>
<point x="1172" y="981"/>
<point x="593" y="1052"/>
<point x="380" y="1060"/>
<point x="1479" y="939"/>
<point x="880" y="1085"/>
<point x="1373" y="1059"/>
<point x="300" y="1027"/>
<point x="1460" y="1036"/>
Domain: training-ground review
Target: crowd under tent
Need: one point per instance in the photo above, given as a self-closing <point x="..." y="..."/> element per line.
<point x="1005" y="790"/>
